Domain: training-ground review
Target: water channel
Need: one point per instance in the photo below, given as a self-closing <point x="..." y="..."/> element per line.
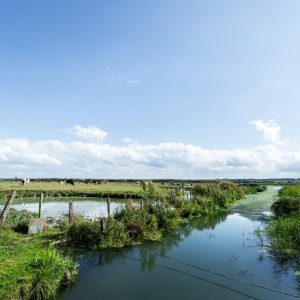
<point x="171" y="269"/>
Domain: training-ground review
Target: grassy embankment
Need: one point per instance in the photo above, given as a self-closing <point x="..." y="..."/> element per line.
<point x="283" y="231"/>
<point x="30" y="268"/>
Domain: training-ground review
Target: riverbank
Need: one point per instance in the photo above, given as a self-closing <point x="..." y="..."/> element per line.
<point x="282" y="232"/>
<point x="30" y="268"/>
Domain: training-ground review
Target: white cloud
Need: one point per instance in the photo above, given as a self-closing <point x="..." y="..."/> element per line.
<point x="79" y="158"/>
<point x="166" y="160"/>
<point x="91" y="133"/>
<point x="270" y="130"/>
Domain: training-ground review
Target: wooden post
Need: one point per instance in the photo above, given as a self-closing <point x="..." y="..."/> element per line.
<point x="6" y="208"/>
<point x="71" y="212"/>
<point x="103" y="225"/>
<point x="40" y="204"/>
<point x="108" y="206"/>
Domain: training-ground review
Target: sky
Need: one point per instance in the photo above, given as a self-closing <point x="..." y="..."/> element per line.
<point x="149" y="89"/>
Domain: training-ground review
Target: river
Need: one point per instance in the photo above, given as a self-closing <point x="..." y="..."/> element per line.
<point x="171" y="269"/>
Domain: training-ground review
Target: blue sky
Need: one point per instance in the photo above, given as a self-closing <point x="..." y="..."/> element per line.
<point x="156" y="72"/>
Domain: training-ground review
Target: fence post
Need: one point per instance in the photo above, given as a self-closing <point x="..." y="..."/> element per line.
<point x="40" y="204"/>
<point x="7" y="207"/>
<point x="108" y="206"/>
<point x="71" y="212"/>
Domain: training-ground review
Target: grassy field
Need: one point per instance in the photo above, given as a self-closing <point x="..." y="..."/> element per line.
<point x="55" y="189"/>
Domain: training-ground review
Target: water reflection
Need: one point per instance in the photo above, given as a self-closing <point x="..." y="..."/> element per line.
<point x="149" y="251"/>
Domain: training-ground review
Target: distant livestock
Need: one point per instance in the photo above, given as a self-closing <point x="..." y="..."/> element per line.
<point x="69" y="181"/>
<point x="25" y="181"/>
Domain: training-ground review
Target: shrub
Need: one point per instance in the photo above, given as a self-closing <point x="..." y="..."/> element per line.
<point x="115" y="236"/>
<point x="85" y="232"/>
<point x="222" y="194"/>
<point x="283" y="233"/>
<point x="286" y="206"/>
<point x="290" y="191"/>
<point x="167" y="218"/>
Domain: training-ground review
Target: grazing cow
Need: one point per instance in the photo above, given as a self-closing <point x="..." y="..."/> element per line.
<point x="70" y="181"/>
<point x="25" y="181"/>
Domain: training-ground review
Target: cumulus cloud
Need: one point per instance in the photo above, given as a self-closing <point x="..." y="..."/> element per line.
<point x="91" y="133"/>
<point x="86" y="157"/>
<point x="270" y="130"/>
<point x="50" y="158"/>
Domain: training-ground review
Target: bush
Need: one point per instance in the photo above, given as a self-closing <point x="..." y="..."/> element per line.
<point x="290" y="191"/>
<point x="85" y="232"/>
<point x="167" y="218"/>
<point x="222" y="194"/>
<point x="283" y="233"/>
<point x="286" y="206"/>
<point x="115" y="236"/>
<point x="253" y="188"/>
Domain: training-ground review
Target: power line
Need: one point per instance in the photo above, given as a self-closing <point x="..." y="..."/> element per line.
<point x="196" y="277"/>
<point x="229" y="277"/>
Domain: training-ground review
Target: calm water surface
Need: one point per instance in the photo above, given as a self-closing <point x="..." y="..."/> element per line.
<point x="224" y="243"/>
<point x="56" y="209"/>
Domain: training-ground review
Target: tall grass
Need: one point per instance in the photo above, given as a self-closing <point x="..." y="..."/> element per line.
<point x="283" y="230"/>
<point x="29" y="270"/>
<point x="290" y="191"/>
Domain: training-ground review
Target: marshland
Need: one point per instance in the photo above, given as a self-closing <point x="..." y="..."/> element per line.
<point x="153" y="233"/>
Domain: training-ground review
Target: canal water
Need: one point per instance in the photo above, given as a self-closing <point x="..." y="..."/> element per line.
<point x="174" y="268"/>
<point x="87" y="207"/>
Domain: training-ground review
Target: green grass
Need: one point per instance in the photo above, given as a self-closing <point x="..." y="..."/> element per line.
<point x="290" y="191"/>
<point x="55" y="189"/>
<point x="31" y="270"/>
<point x="283" y="234"/>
